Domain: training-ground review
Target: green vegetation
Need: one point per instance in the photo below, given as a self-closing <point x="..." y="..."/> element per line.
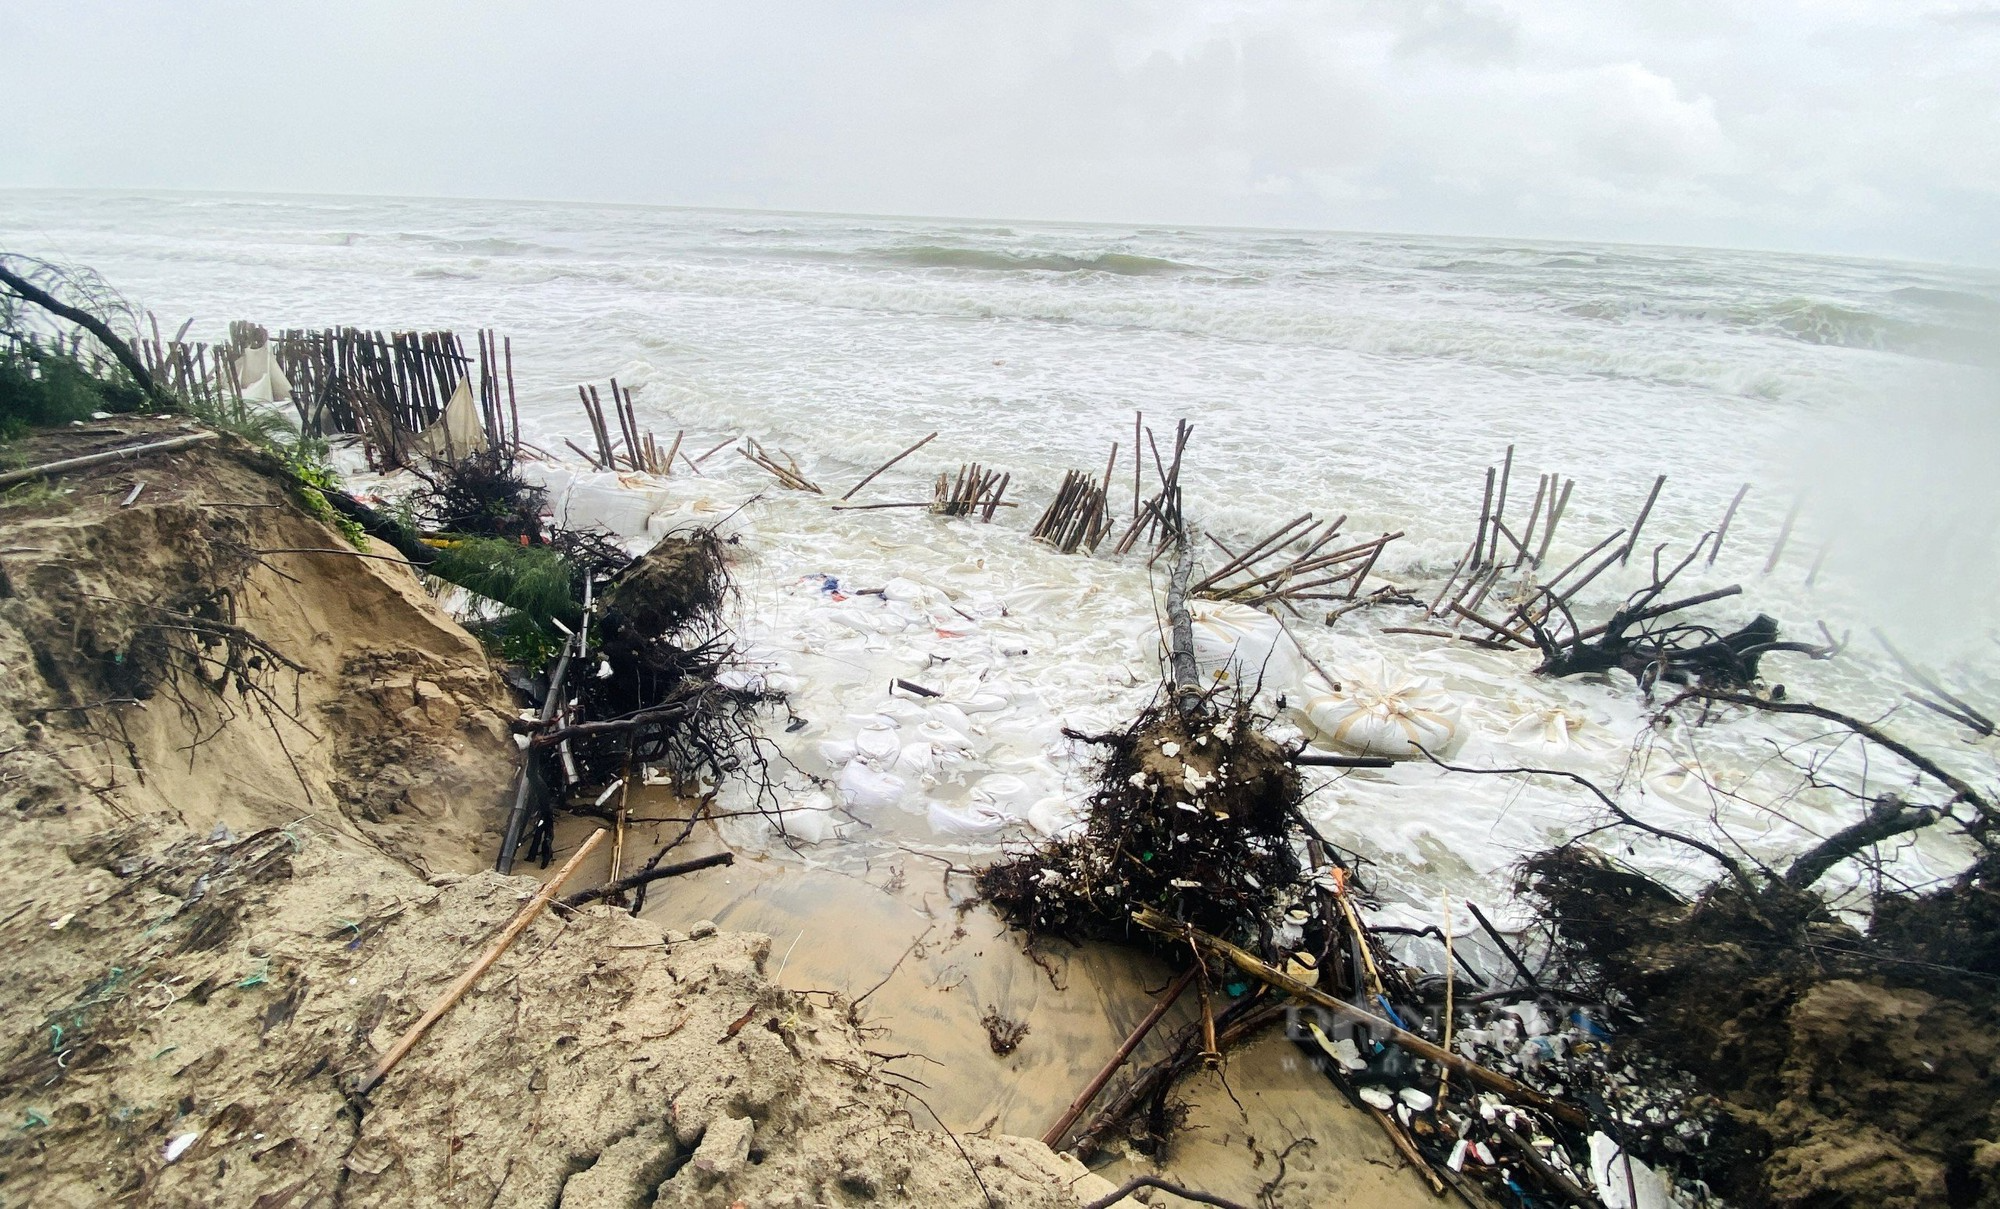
<point x="311" y="478"/>
<point x="536" y="582"/>
<point x="41" y="385"/>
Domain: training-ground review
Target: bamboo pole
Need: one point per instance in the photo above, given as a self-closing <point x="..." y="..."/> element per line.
<point x="1053" y="1137"/>
<point x="99" y="459"/>
<point x="1556" y="509"/>
<point x="1492" y="1080"/>
<point x="1500" y="504"/>
<point x="884" y="466"/>
<point x="1485" y="511"/>
<point x="1729" y="514"/>
<point x="513" y="408"/>
<point x="1534" y="518"/>
<point x="493" y="953"/>
<point x="1632" y="543"/>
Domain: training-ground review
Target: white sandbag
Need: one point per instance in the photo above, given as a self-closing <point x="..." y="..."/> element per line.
<point x="1549" y="731"/>
<point x="973" y="819"/>
<point x="1054" y="817"/>
<point x="1388" y="715"/>
<point x="905" y="711"/>
<point x="909" y="591"/>
<point x="458" y="431"/>
<point x="937" y="734"/>
<point x="918" y="761"/>
<point x="1237" y="645"/>
<point x="740" y="679"/>
<point x="950" y="715"/>
<point x="552" y="478"/>
<point x="866" y="789"/>
<point x="985" y="701"/>
<point x="811" y="819"/>
<point x="837" y="753"/>
<point x="877" y="744"/>
<point x="1006" y="793"/>
<point x="260" y="378"/>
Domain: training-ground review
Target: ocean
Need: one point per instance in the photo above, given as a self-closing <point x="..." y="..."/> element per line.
<point x="1368" y="374"/>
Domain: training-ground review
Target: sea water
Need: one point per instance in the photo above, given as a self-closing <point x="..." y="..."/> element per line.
<point x="1377" y="376"/>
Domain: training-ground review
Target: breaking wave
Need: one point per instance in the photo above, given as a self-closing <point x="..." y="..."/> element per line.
<point x="1124" y="264"/>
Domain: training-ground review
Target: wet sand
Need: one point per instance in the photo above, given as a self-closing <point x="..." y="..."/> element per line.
<point x="845" y="932"/>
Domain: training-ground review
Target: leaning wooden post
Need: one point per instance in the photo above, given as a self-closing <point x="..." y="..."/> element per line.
<point x="493" y="953"/>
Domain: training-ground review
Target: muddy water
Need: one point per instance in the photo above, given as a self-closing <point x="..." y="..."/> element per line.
<point x="848" y="932"/>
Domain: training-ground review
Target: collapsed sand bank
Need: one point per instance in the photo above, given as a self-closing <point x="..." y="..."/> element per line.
<point x="246" y="794"/>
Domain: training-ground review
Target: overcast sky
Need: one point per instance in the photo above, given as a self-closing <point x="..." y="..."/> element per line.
<point x="1864" y="126"/>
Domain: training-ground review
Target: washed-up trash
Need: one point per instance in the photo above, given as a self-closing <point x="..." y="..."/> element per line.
<point x="179" y="1146"/>
<point x="1608" y="1170"/>
<point x="1377" y="1097"/>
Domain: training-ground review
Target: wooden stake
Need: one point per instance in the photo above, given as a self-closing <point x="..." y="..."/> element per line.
<point x="513" y="408"/>
<point x="1534" y="518"/>
<point x="1444" y="1076"/>
<point x="1784" y="535"/>
<point x="1485" y="511"/>
<point x="1722" y="530"/>
<point x="493" y="953"/>
<point x="1500" y="505"/>
<point x="1556" y="509"/>
<point x="1632" y="543"/>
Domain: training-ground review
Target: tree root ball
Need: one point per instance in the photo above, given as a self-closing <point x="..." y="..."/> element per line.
<point x="1191" y="817"/>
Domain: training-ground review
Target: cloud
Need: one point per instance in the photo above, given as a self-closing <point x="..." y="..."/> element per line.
<point x="1841" y="125"/>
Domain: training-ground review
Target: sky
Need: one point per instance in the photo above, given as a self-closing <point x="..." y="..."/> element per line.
<point x="1867" y="127"/>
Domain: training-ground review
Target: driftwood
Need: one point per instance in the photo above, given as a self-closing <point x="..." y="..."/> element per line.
<point x="1678" y="652"/>
<point x="485" y="960"/>
<point x="787" y="472"/>
<point x="524" y="785"/>
<point x="1153" y="1181"/>
<point x="647" y="876"/>
<point x="1246" y="1017"/>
